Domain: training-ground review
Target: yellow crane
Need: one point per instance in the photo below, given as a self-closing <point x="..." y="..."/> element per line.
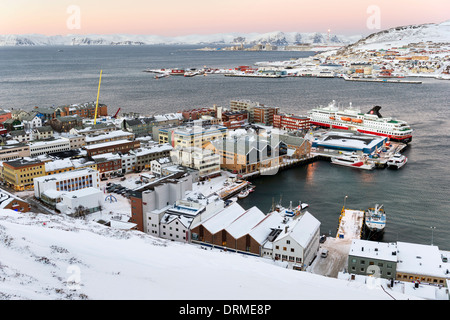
<point x="98" y="94"/>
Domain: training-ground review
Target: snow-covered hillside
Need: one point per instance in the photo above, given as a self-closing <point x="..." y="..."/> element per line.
<point x="274" y="38"/>
<point x="400" y="36"/>
<point x="56" y="257"/>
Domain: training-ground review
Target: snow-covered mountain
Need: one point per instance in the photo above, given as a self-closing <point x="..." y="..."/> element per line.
<point x="56" y="257"/>
<point x="275" y="38"/>
<point x="400" y="36"/>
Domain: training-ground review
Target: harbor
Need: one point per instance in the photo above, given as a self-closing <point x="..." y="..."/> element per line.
<point x="333" y="252"/>
<point x="329" y="144"/>
<point x="380" y="80"/>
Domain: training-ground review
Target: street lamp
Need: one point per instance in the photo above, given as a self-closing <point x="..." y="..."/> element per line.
<point x="343" y="208"/>
<point x="432" y="233"/>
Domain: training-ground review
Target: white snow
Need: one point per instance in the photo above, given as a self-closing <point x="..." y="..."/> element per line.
<point x="400" y="36"/>
<point x="55" y="257"/>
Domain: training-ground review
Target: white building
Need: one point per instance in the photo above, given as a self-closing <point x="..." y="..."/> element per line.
<point x="47" y="187"/>
<point x="298" y="240"/>
<point x="24" y="136"/>
<point x="128" y="162"/>
<point x="101" y="137"/>
<point x="203" y="160"/>
<point x="157" y="166"/>
<point x="44" y="147"/>
<point x="32" y="121"/>
<point x="423" y="263"/>
<point x="159" y="197"/>
<point x="82" y="201"/>
<point x="174" y="223"/>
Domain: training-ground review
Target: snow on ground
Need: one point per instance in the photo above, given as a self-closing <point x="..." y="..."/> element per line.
<point x="56" y="257"/>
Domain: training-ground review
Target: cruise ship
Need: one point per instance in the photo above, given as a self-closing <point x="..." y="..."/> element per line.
<point x="351" y="118"/>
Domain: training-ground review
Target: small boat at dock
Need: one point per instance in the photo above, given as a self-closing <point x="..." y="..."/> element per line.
<point x="243" y="194"/>
<point x="353" y="161"/>
<point x="397" y="161"/>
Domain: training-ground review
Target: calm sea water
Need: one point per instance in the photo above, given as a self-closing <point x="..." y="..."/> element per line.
<point x="415" y="198"/>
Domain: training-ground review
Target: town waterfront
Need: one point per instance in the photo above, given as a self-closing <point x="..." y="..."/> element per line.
<point x="415" y="197"/>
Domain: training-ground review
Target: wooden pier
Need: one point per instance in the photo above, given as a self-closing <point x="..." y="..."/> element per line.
<point x="282" y="166"/>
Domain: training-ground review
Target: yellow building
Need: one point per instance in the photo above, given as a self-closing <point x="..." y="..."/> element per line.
<point x="191" y="136"/>
<point x="19" y="174"/>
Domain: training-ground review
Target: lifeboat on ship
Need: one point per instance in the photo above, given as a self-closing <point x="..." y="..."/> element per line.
<point x="357" y="120"/>
<point x="332" y="118"/>
<point x="345" y="118"/>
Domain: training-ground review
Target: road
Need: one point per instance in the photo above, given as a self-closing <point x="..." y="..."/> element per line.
<point x="336" y="260"/>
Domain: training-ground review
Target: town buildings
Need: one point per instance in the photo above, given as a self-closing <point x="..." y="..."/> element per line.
<point x="20" y="173"/>
<point x="204" y="160"/>
<point x="49" y="146"/>
<point x="278" y="235"/>
<point x="14" y="151"/>
<point x="248" y="153"/>
<point x="122" y="146"/>
<point x="264" y="114"/>
<point x="291" y="122"/>
<point x="83" y="110"/>
<point x="49" y="188"/>
<point x="10" y="201"/>
<point x="108" y="164"/>
<point x="399" y="261"/>
<point x="80" y="202"/>
<point x="4" y="115"/>
<point x="42" y="133"/>
<point x="65" y="124"/>
<point x="157" y="196"/>
<point x="192" y="135"/>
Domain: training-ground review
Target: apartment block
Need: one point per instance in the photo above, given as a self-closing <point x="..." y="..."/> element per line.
<point x="19" y="174"/>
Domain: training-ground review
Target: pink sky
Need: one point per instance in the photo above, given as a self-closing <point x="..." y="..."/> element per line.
<point x="182" y="17"/>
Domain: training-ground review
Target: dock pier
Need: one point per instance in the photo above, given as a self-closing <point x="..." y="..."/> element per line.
<point x="282" y="166"/>
<point x="350" y="224"/>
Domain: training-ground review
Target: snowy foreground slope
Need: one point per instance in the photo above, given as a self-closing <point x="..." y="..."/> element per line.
<point x="55" y="257"/>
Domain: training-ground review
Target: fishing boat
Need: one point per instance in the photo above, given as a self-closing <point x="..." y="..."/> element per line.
<point x="353" y="161"/>
<point x="352" y="118"/>
<point x="374" y="222"/>
<point x="397" y="161"/>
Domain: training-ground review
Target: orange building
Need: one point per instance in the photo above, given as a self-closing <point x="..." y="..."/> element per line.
<point x="84" y="110"/>
<point x="4" y="115"/>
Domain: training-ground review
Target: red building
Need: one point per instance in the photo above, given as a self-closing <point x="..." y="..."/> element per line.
<point x="291" y="122"/>
<point x="234" y="119"/>
<point x="195" y="114"/>
<point x="2" y="129"/>
<point x="264" y="114"/>
<point x="107" y="164"/>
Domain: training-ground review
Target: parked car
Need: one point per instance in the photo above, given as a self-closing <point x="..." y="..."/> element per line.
<point x="324" y="253"/>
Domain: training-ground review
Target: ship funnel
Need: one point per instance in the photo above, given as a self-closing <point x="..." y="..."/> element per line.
<point x="375" y="110"/>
